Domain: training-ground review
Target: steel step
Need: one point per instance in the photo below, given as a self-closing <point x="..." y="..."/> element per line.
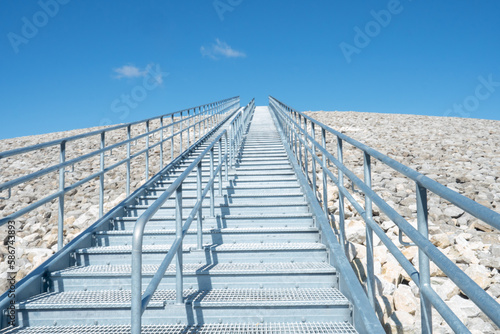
<point x="269" y="197"/>
<point x="233" y="221"/>
<point x="240" y="172"/>
<point x="189" y="190"/>
<point x="225" y="253"/>
<point x="249" y="328"/>
<point x="223" y="209"/>
<point x="211" y="236"/>
<point x="196" y="276"/>
<point x="109" y="307"/>
<point x="275" y="177"/>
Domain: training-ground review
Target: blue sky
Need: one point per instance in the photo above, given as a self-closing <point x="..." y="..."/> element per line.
<point x="68" y="64"/>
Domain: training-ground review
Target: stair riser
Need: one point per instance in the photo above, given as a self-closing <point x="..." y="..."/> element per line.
<point x="212" y="238"/>
<point x="208" y="258"/>
<point x="200" y="282"/>
<point x="186" y="314"/>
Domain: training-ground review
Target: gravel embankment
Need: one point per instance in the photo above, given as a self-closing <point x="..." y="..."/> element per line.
<point x="462" y="154"/>
<point x="36" y="232"/>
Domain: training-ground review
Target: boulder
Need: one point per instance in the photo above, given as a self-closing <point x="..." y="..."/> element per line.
<point x="401" y="322"/>
<point x="355" y="231"/>
<point x="479" y="274"/>
<point x="440" y="240"/>
<point x="404" y="300"/>
<point x="453" y="212"/>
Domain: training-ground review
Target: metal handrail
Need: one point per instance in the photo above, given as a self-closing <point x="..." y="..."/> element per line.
<point x="237" y="129"/>
<point x="140" y="301"/>
<point x="210" y="113"/>
<point x="33" y="283"/>
<point x="299" y="136"/>
<point x="27" y="149"/>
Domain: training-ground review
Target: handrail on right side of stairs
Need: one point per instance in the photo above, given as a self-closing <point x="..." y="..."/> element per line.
<point x="139" y="300"/>
<point x="302" y="142"/>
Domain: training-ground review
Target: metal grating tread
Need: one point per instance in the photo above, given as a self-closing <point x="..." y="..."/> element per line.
<point x="257" y="328"/>
<point x="268" y="297"/>
<point x="220" y="248"/>
<point x="211" y="298"/>
<point x="263" y="195"/>
<point x="194" y="268"/>
<point x="270" y="216"/>
<point x="171" y="205"/>
<point x="267" y="246"/>
<point x="218" y="230"/>
<point x="93" y="299"/>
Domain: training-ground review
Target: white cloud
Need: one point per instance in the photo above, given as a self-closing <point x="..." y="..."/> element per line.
<point x="129" y="71"/>
<point x="220" y="49"/>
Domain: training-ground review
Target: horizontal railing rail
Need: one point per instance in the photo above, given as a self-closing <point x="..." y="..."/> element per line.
<point x="201" y="118"/>
<point x="296" y="128"/>
<point x="139" y="300"/>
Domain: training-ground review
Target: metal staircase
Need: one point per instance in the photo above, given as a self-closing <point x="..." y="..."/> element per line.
<point x="232" y="236"/>
<point x="262" y="267"/>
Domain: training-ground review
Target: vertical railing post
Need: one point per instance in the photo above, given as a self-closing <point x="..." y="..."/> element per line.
<point x="209" y="115"/>
<point x="231" y="139"/>
<point x="188" y="129"/>
<point x="313" y="158"/>
<point x="161" y="143"/>
<point x="199" y="187"/>
<point x="220" y="164"/>
<point x="325" y="175"/>
<point x="226" y="157"/>
<point x="60" y="218"/>
<point x="101" y="178"/>
<point x="212" y="192"/>
<point x="147" y="150"/>
<point x="423" y="259"/>
<point x="178" y="233"/>
<point x="136" y="293"/>
<point x="172" y="138"/>
<point x="180" y="132"/>
<point x="200" y="119"/>
<point x="306" y="145"/>
<point x="340" y="156"/>
<point x="370" y="275"/>
<point x="127" y="186"/>
<point x="204" y="121"/>
<point x="194" y="125"/>
<point x="298" y="155"/>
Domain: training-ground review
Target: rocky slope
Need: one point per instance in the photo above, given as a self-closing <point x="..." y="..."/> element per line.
<point x="36" y="232"/>
<point x="464" y="155"/>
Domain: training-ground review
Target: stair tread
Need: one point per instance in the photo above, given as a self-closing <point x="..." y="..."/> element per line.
<point x="219" y="248"/>
<point x="213" y="298"/>
<point x="171" y="205"/>
<point x="258" y="196"/>
<point x="251" y="328"/>
<point x="284" y="215"/>
<point x="195" y="268"/>
<point x="226" y="230"/>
